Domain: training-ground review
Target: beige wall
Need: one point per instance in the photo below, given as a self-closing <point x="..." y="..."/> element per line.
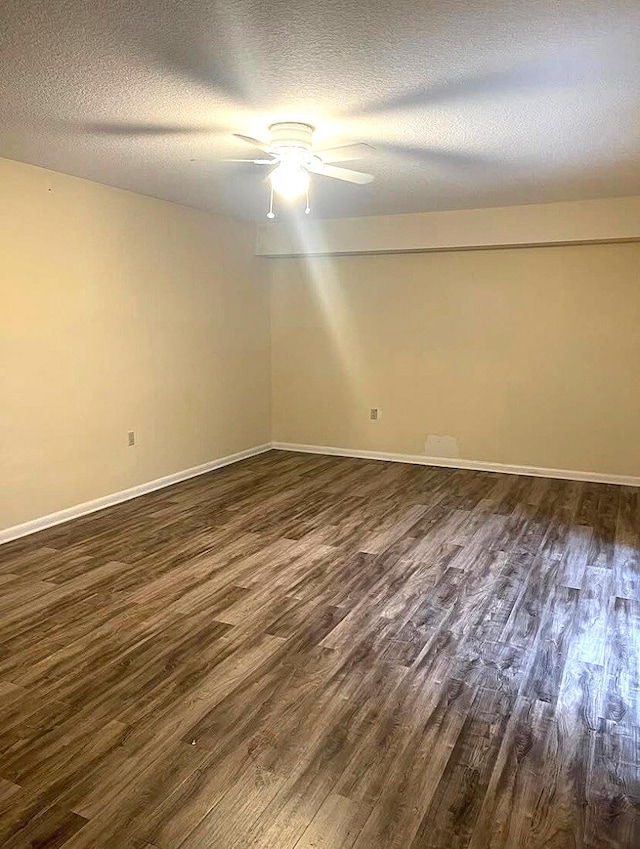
<point x="527" y="356"/>
<point x="120" y="312"/>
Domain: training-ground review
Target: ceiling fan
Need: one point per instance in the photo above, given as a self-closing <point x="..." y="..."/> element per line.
<point x="290" y="150"/>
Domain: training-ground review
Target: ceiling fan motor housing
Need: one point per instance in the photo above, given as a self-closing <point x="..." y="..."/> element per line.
<point x="288" y="134"/>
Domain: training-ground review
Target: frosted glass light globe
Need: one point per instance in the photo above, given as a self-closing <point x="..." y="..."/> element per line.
<point x="290" y="180"/>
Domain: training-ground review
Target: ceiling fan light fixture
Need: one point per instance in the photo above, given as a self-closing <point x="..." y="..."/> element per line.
<point x="293" y="160"/>
<point x="290" y="180"/>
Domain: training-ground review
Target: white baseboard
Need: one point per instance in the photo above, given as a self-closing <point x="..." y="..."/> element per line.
<point x="474" y="465"/>
<point x="77" y="510"/>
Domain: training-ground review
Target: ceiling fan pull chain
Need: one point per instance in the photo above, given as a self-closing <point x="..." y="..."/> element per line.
<point x="271" y="213"/>
<point x="308" y="208"/>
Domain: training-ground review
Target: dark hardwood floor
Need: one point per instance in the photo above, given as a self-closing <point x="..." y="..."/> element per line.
<point x="303" y="651"/>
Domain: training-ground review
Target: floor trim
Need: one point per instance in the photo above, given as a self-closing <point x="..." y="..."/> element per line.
<point x="474" y="465"/>
<point x="87" y="507"/>
<point x="78" y="510"/>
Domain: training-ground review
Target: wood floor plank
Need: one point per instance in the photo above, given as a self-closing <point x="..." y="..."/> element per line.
<point x="335" y="826"/>
<point x="301" y="651"/>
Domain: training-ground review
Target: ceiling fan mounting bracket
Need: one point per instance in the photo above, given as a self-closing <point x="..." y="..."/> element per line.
<point x="290" y="134"/>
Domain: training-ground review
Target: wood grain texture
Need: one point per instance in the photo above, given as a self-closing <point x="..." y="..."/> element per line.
<point x="305" y="652"/>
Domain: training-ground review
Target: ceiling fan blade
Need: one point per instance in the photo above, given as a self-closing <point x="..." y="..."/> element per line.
<point x="254" y="161"/>
<point x="255" y="142"/>
<point x="345" y="174"/>
<point x="345" y="153"/>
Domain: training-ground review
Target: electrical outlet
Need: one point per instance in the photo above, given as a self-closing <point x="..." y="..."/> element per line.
<point x="375" y="414"/>
<point x="131" y="438"/>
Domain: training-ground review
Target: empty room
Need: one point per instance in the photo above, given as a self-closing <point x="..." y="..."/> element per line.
<point x="320" y="424"/>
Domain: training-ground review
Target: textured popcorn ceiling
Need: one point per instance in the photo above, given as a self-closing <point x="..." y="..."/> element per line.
<point x="468" y="104"/>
